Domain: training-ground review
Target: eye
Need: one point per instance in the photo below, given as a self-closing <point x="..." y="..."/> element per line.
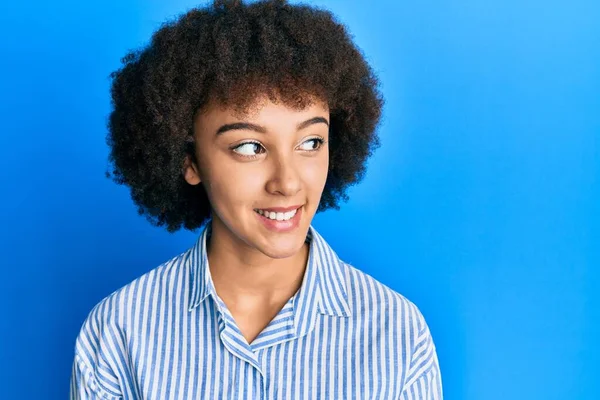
<point x="248" y="149"/>
<point x="314" y="144"/>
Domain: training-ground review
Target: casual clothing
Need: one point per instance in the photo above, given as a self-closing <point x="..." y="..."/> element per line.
<point x="168" y="335"/>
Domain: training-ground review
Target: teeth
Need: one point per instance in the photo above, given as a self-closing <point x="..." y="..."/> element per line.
<point x="277" y="216"/>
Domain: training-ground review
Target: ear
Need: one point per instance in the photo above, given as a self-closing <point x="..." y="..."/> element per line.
<point x="190" y="171"/>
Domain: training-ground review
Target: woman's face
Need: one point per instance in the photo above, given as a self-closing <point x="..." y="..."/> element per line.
<point x="273" y="157"/>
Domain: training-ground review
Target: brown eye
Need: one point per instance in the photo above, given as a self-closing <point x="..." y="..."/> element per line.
<point x="313" y="144"/>
<point x="249" y="149"/>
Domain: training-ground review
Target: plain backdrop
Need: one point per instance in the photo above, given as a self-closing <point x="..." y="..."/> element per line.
<point x="481" y="206"/>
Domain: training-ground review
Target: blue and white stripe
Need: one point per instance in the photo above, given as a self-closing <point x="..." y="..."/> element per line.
<point x="168" y="335"/>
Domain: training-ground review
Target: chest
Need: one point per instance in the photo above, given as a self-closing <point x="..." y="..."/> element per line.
<point x="252" y="321"/>
<point x="333" y="361"/>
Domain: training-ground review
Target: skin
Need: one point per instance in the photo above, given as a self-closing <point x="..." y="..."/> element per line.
<point x="256" y="270"/>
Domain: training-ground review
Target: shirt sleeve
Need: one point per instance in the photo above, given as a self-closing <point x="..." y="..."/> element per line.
<point x="423" y="380"/>
<point x="95" y="369"/>
<point x="85" y="386"/>
<point x="426" y="387"/>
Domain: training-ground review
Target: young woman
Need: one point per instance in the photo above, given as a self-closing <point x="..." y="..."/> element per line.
<point x="245" y="120"/>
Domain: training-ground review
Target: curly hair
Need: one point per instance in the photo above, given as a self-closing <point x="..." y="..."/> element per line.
<point x="231" y="53"/>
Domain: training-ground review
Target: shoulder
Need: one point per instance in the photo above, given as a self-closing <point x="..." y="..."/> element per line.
<point x="383" y="312"/>
<point x="368" y="296"/>
<point x="103" y="333"/>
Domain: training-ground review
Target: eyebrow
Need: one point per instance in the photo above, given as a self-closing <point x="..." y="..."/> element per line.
<point x="261" y="129"/>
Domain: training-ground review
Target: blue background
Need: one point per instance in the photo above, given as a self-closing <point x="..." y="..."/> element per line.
<point x="481" y="206"/>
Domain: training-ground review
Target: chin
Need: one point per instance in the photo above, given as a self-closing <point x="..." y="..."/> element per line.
<point x="283" y="248"/>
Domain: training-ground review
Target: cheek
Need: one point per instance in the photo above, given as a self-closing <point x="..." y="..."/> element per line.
<point x="234" y="184"/>
<point x="314" y="172"/>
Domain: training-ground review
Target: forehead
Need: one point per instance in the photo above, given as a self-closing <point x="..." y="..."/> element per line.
<point x="264" y="109"/>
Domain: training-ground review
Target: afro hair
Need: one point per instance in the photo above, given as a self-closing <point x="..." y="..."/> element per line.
<point x="231" y="52"/>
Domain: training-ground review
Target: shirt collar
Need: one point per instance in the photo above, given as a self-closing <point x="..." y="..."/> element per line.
<point x="323" y="287"/>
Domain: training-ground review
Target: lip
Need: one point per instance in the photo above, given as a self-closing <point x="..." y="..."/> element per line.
<point x="281" y="226"/>
<point x="280" y="209"/>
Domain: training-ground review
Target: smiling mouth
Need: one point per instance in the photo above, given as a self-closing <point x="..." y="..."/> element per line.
<point x="277" y="216"/>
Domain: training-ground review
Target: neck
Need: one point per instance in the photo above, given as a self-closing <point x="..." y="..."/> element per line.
<point x="244" y="274"/>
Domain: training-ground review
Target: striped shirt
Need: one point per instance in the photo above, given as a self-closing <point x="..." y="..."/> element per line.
<point x="168" y="335"/>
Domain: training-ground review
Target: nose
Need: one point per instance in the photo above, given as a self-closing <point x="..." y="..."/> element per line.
<point x="285" y="178"/>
